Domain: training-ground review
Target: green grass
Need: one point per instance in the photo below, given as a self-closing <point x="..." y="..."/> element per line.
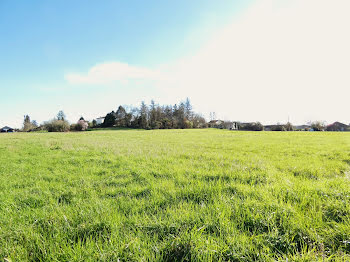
<point x="175" y="195"/>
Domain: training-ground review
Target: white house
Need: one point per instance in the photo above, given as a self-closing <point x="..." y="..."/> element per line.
<point x="100" y="120"/>
<point x="216" y="123"/>
<point x="224" y="124"/>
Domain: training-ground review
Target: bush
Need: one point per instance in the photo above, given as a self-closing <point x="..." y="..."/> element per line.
<point x="278" y="128"/>
<point x="57" y="126"/>
<point x="188" y="124"/>
<point x="318" y="126"/>
<point x="82" y="125"/>
<point x="252" y="126"/>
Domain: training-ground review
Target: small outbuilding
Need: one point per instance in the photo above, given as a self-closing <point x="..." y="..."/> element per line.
<point x="7" y="129"/>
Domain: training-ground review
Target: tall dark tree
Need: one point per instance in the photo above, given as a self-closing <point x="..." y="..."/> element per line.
<point x="153" y="115"/>
<point x="188" y="109"/>
<point x="27" y="125"/>
<point x="94" y="123"/>
<point x="109" y="120"/>
<point x="144" y="116"/>
<point x="26" y="119"/>
<point x="120" y="117"/>
<point x="181" y="116"/>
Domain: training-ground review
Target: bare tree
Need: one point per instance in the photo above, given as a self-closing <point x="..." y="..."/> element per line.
<point x="61" y="116"/>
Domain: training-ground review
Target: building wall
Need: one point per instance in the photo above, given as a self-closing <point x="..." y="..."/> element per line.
<point x="99" y="121"/>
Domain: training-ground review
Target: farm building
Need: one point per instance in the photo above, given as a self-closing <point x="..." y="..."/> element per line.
<point x="302" y="128"/>
<point x="100" y="120"/>
<point x="337" y="126"/>
<point x="216" y="123"/>
<point x="231" y="125"/>
<point x="223" y="124"/>
<point x="6" y="129"/>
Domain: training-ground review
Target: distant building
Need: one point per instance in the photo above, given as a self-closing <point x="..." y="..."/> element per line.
<point x="337" y="126"/>
<point x="100" y="120"/>
<point x="223" y="124"/>
<point x="6" y="129"/>
<point x="216" y="123"/>
<point x="302" y="128"/>
<point x="231" y="125"/>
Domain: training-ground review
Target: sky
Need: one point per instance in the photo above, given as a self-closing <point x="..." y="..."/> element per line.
<point x="246" y="60"/>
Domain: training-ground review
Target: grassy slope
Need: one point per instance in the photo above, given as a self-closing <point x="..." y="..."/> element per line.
<point x="174" y="194"/>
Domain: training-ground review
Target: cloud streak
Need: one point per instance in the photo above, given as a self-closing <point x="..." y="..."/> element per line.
<point x="111" y="72"/>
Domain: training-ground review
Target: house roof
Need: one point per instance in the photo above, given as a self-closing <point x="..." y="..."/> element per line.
<point x="215" y="121"/>
<point x="6" y="128"/>
<point x="338" y="124"/>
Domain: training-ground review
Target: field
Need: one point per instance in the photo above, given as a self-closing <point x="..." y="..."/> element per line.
<point x="175" y="195"/>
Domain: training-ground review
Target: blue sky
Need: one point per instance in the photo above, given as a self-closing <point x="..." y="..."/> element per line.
<point x="42" y="40"/>
<point x="87" y="57"/>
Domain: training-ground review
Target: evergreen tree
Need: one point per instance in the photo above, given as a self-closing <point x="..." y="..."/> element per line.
<point x="153" y="115"/>
<point x="120" y="117"/>
<point x="109" y="120"/>
<point x="144" y="116"/>
<point x="188" y="109"/>
<point x="181" y="116"/>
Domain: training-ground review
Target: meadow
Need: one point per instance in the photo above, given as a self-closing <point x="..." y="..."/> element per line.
<point x="175" y="195"/>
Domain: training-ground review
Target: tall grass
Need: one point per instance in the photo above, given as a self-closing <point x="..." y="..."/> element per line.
<point x="175" y="195"/>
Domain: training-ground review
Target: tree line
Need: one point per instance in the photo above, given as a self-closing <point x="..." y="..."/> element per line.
<point x="155" y="116"/>
<point x="152" y="116"/>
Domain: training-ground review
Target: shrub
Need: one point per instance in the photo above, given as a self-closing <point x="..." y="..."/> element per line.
<point x="188" y="124"/>
<point x="257" y="126"/>
<point x="318" y="126"/>
<point x="278" y="128"/>
<point x="57" y="126"/>
<point x="82" y="125"/>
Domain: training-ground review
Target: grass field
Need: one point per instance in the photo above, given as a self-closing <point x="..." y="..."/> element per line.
<point x="175" y="195"/>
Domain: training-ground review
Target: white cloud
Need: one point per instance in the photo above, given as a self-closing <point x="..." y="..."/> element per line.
<point x="279" y="58"/>
<point x="110" y="72"/>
